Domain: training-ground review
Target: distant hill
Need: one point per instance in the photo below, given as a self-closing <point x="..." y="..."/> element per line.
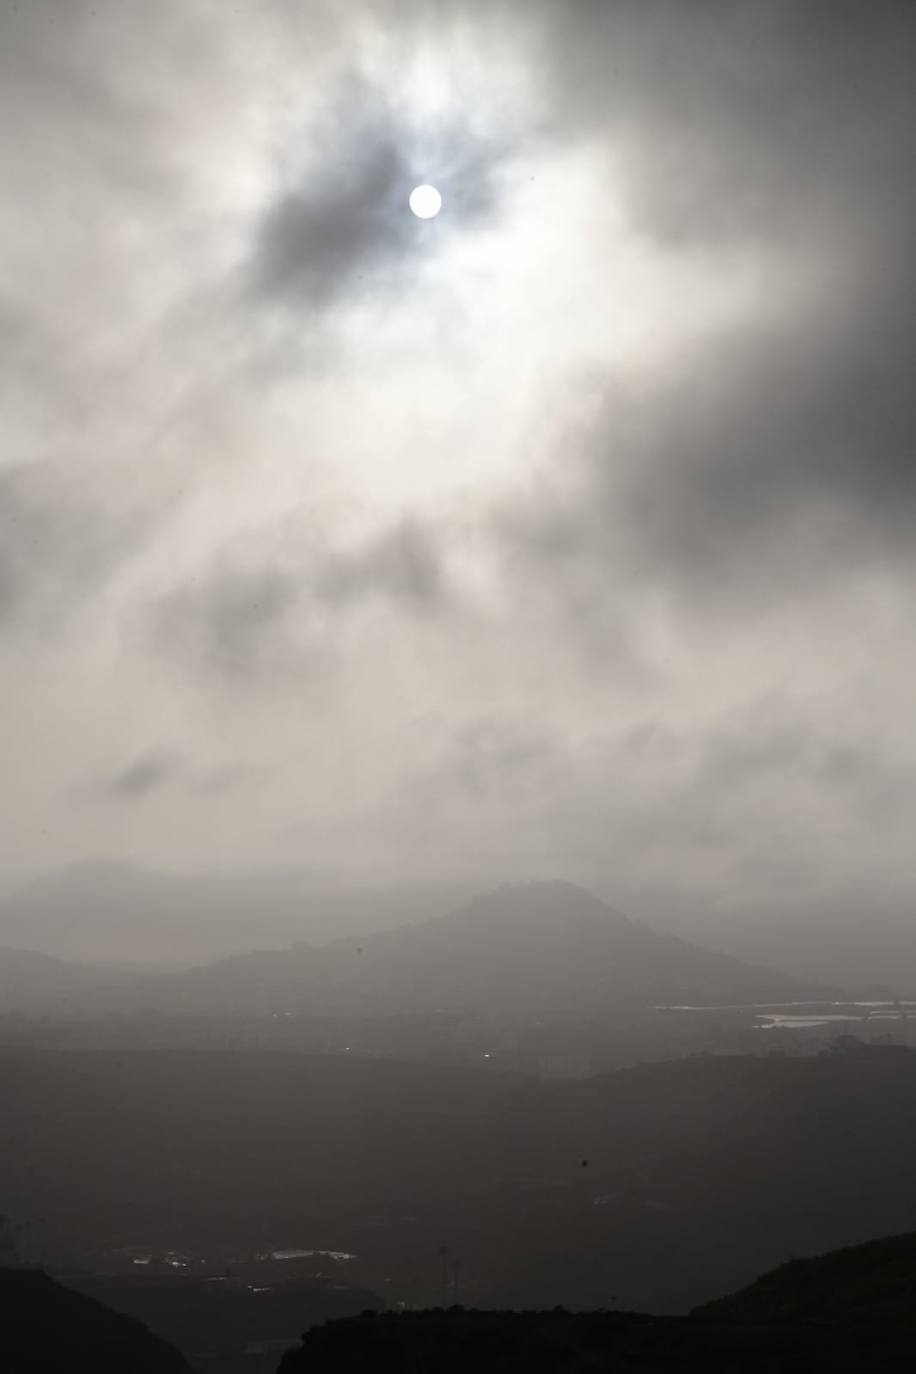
<point x="48" y="1329"/>
<point x="40" y="985"/>
<point x="546" y="948"/>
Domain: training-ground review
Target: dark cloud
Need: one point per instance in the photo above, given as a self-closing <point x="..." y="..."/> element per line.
<point x="145" y="774"/>
<point x="403" y="565"/>
<point x="767" y="462"/>
<point x="731" y="118"/>
<point x="343" y="224"/>
<point x="231" y="621"/>
<point x="315" y="239"/>
<point x="239" y="619"/>
<point x="776" y="462"/>
<point x="783" y="453"/>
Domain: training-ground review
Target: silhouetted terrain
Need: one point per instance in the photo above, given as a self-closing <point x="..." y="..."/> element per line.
<point x="842" y="1311"/>
<point x="46" y="1328"/>
<point x="872" y="1284"/>
<point x="654" y="1188"/>
<point x="847" y="1311"/>
<point x="455" y="1342"/>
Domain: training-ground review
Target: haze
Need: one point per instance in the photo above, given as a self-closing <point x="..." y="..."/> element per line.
<point x="456" y="677"/>
<point x="567" y="534"/>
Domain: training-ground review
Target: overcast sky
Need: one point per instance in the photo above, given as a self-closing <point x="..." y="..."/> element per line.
<point x="571" y="532"/>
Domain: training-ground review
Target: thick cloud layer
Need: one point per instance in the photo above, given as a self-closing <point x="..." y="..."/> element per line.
<point x="567" y="533"/>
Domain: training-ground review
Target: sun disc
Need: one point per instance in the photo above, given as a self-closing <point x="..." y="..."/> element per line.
<point x="425" y="202"/>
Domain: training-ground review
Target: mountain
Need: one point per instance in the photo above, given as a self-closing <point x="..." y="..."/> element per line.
<point x="526" y="952"/>
<point x="48" y="1329"/>
<point x="542" y="949"/>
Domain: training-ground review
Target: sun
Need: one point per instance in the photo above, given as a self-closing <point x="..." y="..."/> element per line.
<point x="425" y="202"/>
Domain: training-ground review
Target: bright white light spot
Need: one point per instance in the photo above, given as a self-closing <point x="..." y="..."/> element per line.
<point x="425" y="202"/>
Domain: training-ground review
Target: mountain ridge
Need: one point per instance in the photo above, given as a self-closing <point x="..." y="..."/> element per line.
<point x="546" y="946"/>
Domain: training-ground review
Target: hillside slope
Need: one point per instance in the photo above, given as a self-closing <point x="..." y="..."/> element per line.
<point x="46" y="1328"/>
<point x="861" y="1284"/>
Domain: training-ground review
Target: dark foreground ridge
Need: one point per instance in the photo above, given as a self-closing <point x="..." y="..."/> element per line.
<point x="455" y="1342"/>
<point x="850" y="1310"/>
<point x="868" y="1285"/>
<point x="48" y="1329"/>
